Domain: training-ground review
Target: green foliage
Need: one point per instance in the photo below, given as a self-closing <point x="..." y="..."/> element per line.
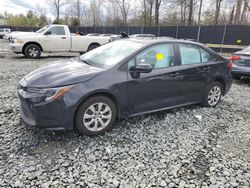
<point x="30" y="19"/>
<point x="75" y="22"/>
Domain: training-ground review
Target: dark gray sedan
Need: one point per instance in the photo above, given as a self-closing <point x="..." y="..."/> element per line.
<point x="122" y="79"/>
<point x="241" y="63"/>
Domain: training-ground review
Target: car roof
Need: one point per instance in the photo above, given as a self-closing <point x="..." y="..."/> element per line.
<point x="156" y="40"/>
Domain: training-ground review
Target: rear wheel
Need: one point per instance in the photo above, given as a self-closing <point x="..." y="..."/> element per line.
<point x="93" y="46"/>
<point x="213" y="94"/>
<point x="32" y="51"/>
<point x="95" y="116"/>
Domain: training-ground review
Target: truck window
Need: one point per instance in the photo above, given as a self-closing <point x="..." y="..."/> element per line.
<point x="57" y="30"/>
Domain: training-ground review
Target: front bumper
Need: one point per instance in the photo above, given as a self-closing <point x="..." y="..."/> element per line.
<point x="17" y="48"/>
<point x="54" y="115"/>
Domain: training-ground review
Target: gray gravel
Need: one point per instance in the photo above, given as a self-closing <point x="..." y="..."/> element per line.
<point x="184" y="147"/>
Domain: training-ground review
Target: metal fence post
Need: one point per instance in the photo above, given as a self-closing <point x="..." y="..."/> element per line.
<point x="142" y="28"/>
<point x="223" y="38"/>
<point x="177" y="32"/>
<point x="128" y="30"/>
<point x="159" y="30"/>
<point x="198" y="35"/>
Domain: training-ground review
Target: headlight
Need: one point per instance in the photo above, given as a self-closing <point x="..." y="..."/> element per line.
<point x="50" y="94"/>
<point x="18" y="41"/>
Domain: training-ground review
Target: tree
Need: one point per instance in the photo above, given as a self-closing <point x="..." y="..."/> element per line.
<point x="42" y="21"/>
<point x="199" y="14"/>
<point x="238" y="12"/>
<point x="217" y="11"/>
<point x="244" y="12"/>
<point x="124" y="6"/>
<point x="147" y="12"/>
<point x="57" y="4"/>
<point x="231" y="17"/>
<point x="190" y="14"/>
<point x="157" y="9"/>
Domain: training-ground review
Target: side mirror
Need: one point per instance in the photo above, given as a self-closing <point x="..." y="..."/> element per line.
<point x="47" y="33"/>
<point x="142" y="68"/>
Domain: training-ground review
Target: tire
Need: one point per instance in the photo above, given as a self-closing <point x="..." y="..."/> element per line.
<point x="90" y="119"/>
<point x="93" y="46"/>
<point x="32" y="51"/>
<point x="213" y="94"/>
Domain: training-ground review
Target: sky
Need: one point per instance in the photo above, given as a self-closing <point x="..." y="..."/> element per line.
<point x="23" y="6"/>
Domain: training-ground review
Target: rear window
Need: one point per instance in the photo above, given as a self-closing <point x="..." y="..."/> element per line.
<point x="191" y="54"/>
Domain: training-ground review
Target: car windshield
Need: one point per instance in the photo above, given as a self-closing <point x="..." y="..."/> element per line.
<point x="1" y="30"/>
<point x="42" y="29"/>
<point x="111" y="54"/>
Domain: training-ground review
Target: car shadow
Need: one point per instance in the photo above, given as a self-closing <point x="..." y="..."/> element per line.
<point x="243" y="80"/>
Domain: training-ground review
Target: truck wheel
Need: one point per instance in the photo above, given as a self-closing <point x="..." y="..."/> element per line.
<point x="93" y="46"/>
<point x="32" y="51"/>
<point x="95" y="116"/>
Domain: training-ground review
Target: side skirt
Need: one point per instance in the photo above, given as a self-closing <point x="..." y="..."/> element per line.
<point x="162" y="109"/>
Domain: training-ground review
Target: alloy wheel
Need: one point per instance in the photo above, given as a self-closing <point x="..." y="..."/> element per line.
<point x="97" y="116"/>
<point x="214" y="95"/>
<point x="33" y="52"/>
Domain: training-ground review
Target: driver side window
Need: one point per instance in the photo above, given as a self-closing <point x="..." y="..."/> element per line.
<point x="159" y="56"/>
<point x="57" y="30"/>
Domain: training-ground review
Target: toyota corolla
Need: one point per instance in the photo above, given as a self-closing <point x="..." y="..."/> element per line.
<point x="122" y="79"/>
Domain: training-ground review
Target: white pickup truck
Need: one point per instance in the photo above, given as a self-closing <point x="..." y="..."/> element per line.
<point x="55" y="38"/>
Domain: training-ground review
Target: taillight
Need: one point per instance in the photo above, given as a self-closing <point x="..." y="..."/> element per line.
<point x="234" y="58"/>
<point x="230" y="65"/>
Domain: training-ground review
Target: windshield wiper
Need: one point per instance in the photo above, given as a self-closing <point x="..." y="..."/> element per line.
<point x="86" y="62"/>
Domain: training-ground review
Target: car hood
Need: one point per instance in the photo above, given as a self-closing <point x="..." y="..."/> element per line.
<point x="22" y="34"/>
<point x="60" y="73"/>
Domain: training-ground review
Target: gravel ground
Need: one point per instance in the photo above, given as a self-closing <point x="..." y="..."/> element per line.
<point x="184" y="147"/>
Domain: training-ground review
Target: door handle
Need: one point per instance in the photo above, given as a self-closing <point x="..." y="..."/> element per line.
<point x="63" y="37"/>
<point x="174" y="74"/>
<point x="206" y="68"/>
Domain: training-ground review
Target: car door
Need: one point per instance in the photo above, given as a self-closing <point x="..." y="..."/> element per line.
<point x="159" y="88"/>
<point x="56" y="40"/>
<point x="196" y="68"/>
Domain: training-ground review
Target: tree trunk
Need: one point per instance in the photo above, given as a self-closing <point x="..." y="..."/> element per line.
<point x="217" y="12"/>
<point x="238" y="12"/>
<point x="185" y="11"/>
<point x="157" y="9"/>
<point x="231" y="17"/>
<point x="190" y="15"/>
<point x="199" y="17"/>
<point x="243" y="15"/>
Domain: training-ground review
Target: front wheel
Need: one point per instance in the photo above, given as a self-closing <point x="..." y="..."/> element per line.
<point x="95" y="116"/>
<point x="32" y="51"/>
<point x="213" y="94"/>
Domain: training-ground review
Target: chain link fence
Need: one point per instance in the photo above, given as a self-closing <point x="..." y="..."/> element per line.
<point x="222" y="34"/>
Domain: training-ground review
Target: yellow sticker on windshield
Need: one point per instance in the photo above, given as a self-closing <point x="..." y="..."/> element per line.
<point x="159" y="56"/>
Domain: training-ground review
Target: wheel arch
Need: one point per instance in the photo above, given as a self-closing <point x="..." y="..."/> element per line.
<point x="28" y="43"/>
<point x="222" y="82"/>
<point x="99" y="93"/>
<point x="93" y="43"/>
